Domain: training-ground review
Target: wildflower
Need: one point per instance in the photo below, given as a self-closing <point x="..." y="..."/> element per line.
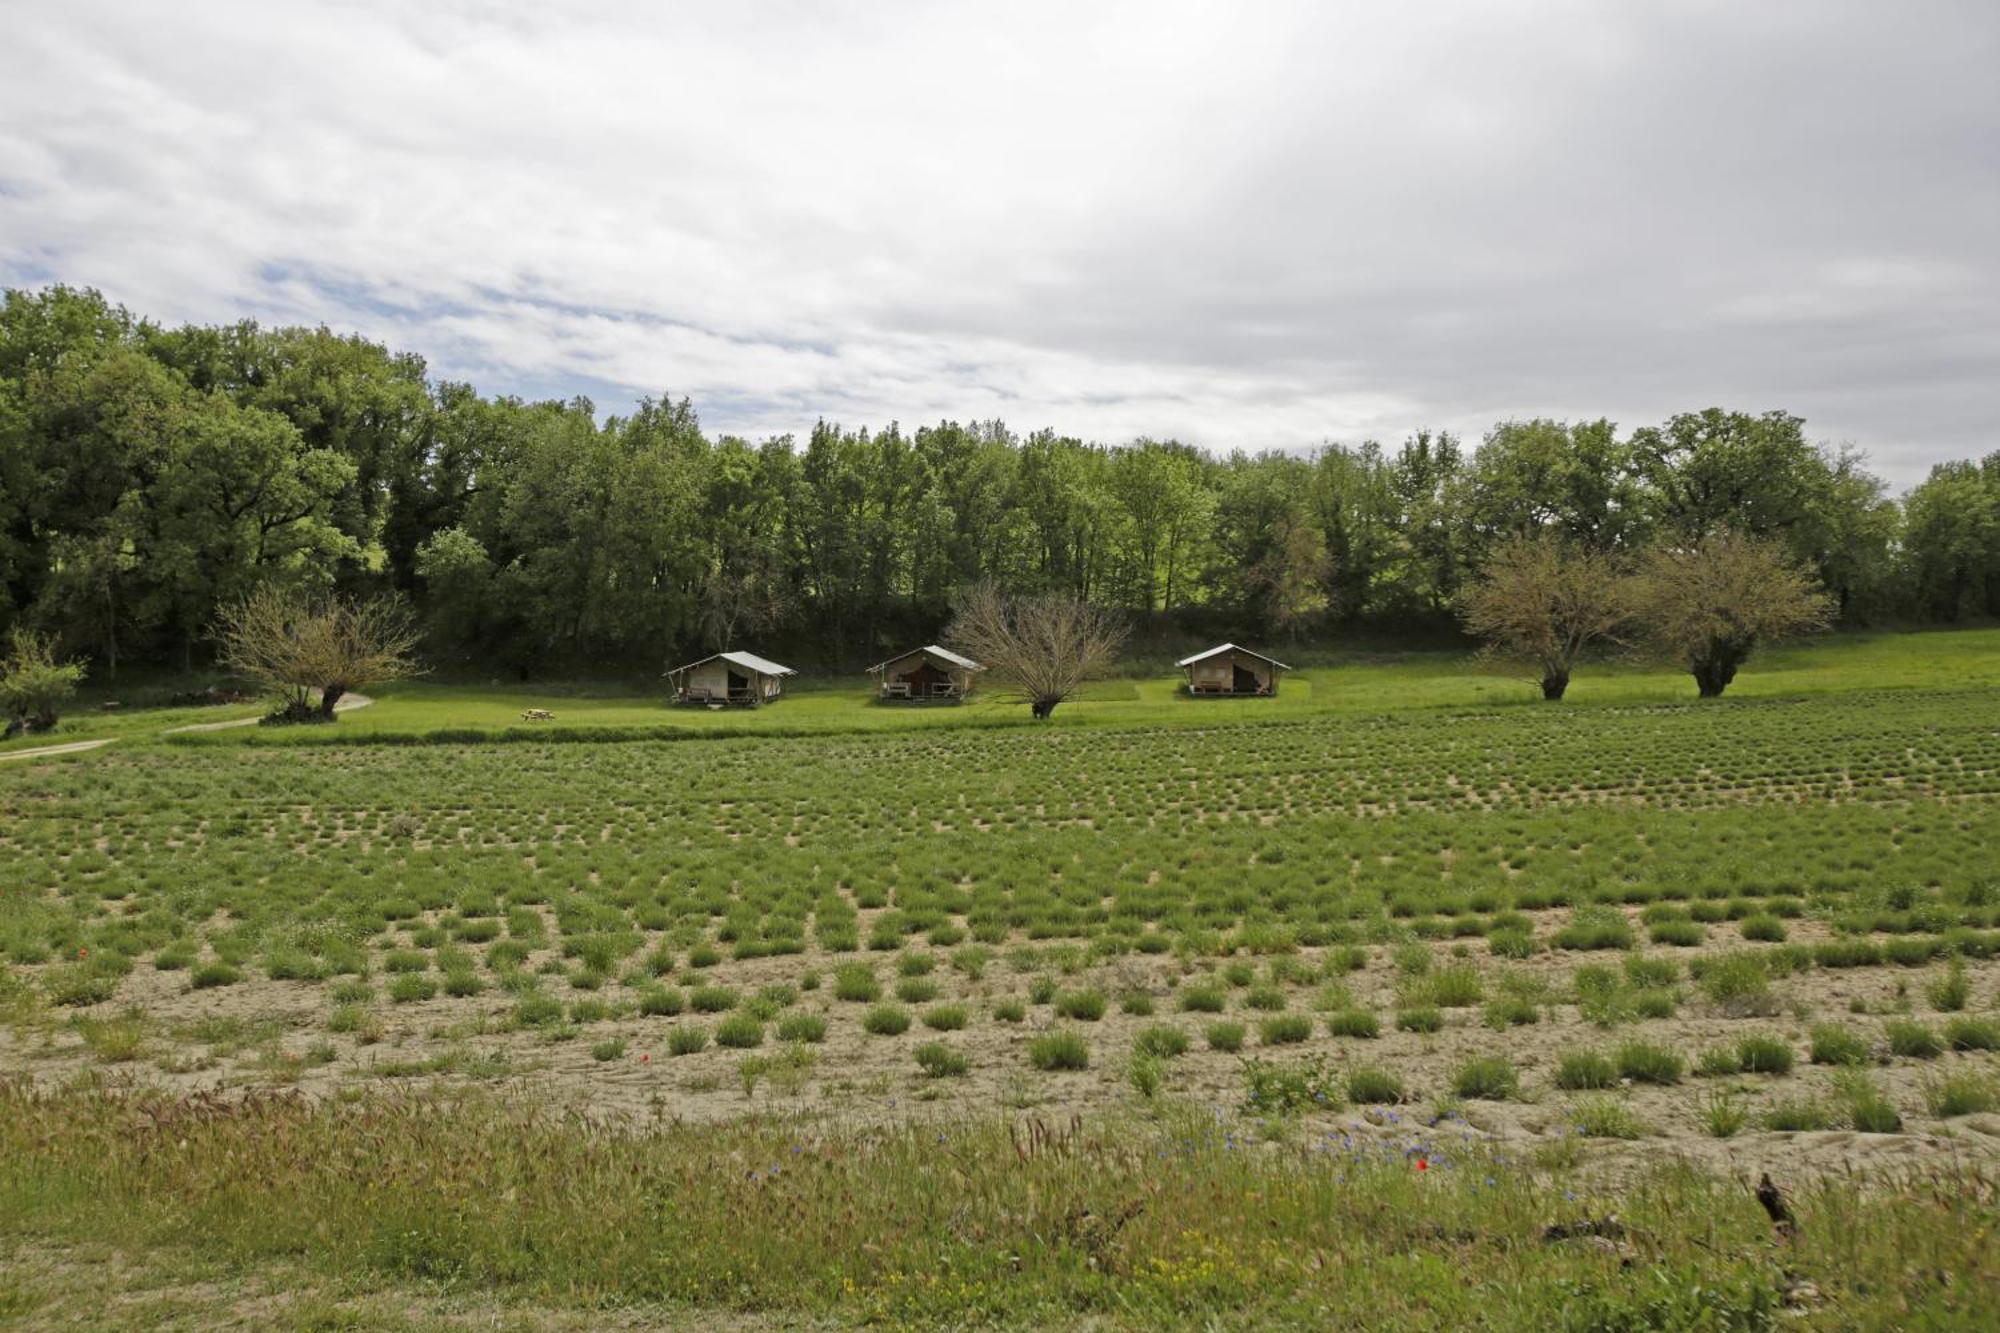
<point x="645" y="1057"/>
<point x="1423" y="1164"/>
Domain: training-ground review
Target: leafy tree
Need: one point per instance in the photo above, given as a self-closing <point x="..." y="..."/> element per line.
<point x="1709" y="603"/>
<point x="323" y="645"/>
<point x="1951" y="542"/>
<point x="1545" y="599"/>
<point x="1041" y="648"/>
<point x="34" y="683"/>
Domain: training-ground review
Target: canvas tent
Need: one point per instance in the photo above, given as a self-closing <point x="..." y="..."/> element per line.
<point x="1229" y="670"/>
<point x="729" y="678"/>
<point x="929" y="672"/>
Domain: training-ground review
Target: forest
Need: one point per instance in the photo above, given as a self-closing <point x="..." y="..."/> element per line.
<point x="151" y="475"/>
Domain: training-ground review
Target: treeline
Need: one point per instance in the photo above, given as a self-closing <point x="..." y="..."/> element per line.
<point x="149" y="475"/>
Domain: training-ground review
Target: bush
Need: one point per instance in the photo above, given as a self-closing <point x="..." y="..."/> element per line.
<point x="1718" y="1062"/>
<point x="1009" y="1011"/>
<point x="1423" y="1019"/>
<point x="1797" y="1115"/>
<point x="1059" y="1050"/>
<point x="687" y="1040"/>
<point x="1913" y="1040"/>
<point x="712" y="999"/>
<point x="1835" y="1044"/>
<point x="1284" y="1029"/>
<point x="209" y="975"/>
<point x="1972" y="1034"/>
<point x="1762" y="927"/>
<point x="1868" y="1108"/>
<point x="1605" y="1118"/>
<point x="938" y="1060"/>
<point x="916" y="990"/>
<point x="1595" y="928"/>
<point x="739" y="1032"/>
<point x="661" y="1001"/>
<point x="1963" y="1093"/>
<point x="1455" y="987"/>
<point x="886" y="1020"/>
<point x="1161" y="1040"/>
<point x="1202" y="999"/>
<point x="1085" y="1005"/>
<point x="1225" y="1036"/>
<point x="1368" y="1086"/>
<point x="809" y="1028"/>
<point x="1681" y="934"/>
<point x="1644" y="1062"/>
<point x="1585" y="1071"/>
<point x="1309" y="1084"/>
<point x="1764" y="1054"/>
<point x="1354" y="1023"/>
<point x="945" y="1017"/>
<point x="1723" y="1115"/>
<point x="1489" y="1078"/>
<point x="856" y="983"/>
<point x="411" y="987"/>
<point x="609" y="1049"/>
<point x="1738" y="984"/>
<point x="1949" y="993"/>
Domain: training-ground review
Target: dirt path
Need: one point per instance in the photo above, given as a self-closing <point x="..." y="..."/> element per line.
<point x="346" y="705"/>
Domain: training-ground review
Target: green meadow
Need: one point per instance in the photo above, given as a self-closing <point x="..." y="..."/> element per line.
<point x="1402" y="999"/>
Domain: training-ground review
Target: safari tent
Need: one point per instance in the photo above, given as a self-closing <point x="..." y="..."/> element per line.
<point x="1229" y="670"/>
<point x="729" y="678"/>
<point x="929" y="672"/>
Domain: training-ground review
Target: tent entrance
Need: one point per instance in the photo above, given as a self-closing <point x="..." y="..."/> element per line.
<point x="739" y="686"/>
<point x="1245" y="680"/>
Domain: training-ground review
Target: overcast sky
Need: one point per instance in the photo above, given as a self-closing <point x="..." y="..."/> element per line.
<point x="1240" y="224"/>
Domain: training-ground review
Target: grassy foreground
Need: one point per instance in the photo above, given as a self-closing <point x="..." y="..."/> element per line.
<point x="1171" y="1220"/>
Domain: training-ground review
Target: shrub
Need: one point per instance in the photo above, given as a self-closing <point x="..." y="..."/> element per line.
<point x="1797" y="1115"/>
<point x="1585" y="1071"/>
<point x="1369" y="1086"/>
<point x="1718" y="1062"/>
<point x="204" y="977"/>
<point x="1488" y="1078"/>
<point x="609" y="1049"/>
<point x="1423" y="1019"/>
<point x="739" y="1032"/>
<point x="1161" y="1040"/>
<point x="1512" y="944"/>
<point x="1284" y="1029"/>
<point x="1949" y="993"/>
<point x="1972" y="1034"/>
<point x="1644" y="1062"/>
<point x="1835" y="1044"/>
<point x="1595" y="928"/>
<point x="1224" y="1036"/>
<point x="1681" y="934"/>
<point x="1512" y="1011"/>
<point x="1059" y="1050"/>
<point x="410" y="987"/>
<point x="1455" y="987"/>
<point x="1762" y="927"/>
<point x="1913" y="1040"/>
<point x="916" y="990"/>
<point x="687" y="1040"/>
<point x="1723" y="1115"/>
<point x="886" y="1020"/>
<point x="856" y="983"/>
<point x="1309" y="1084"/>
<point x="1605" y="1118"/>
<point x="536" y="1010"/>
<point x="661" y="1001"/>
<point x="938" y="1060"/>
<point x="1354" y="1023"/>
<point x="1084" y="1005"/>
<point x="1042" y="990"/>
<point x="1202" y="999"/>
<point x="810" y="1028"/>
<point x="1761" y="1053"/>
<point x="1009" y="1011"/>
<point x="1868" y="1108"/>
<point x="712" y="999"/>
<point x="1963" y="1093"/>
<point x="1137" y="1003"/>
<point x="1738" y="984"/>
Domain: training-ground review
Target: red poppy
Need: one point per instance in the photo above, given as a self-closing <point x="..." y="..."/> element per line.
<point x="1423" y="1164"/>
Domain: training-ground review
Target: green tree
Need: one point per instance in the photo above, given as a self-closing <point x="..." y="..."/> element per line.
<point x="1709" y="603"/>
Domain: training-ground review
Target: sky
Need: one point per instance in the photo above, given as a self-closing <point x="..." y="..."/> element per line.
<point x="1252" y="224"/>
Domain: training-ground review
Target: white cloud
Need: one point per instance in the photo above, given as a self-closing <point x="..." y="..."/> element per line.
<point x="1255" y="225"/>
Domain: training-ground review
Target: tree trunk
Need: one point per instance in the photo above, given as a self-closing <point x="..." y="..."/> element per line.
<point x="1044" y="707"/>
<point x="328" y="697"/>
<point x="1554" y="684"/>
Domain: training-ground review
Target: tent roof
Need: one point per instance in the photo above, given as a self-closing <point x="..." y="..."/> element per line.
<point x="763" y="666"/>
<point x="1219" y="649"/>
<point x="947" y="654"/>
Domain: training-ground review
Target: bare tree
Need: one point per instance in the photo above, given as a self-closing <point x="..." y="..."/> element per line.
<point x="1709" y="603"/>
<point x="1038" y="649"/>
<point x="1541" y="600"/>
<point x="302" y="646"/>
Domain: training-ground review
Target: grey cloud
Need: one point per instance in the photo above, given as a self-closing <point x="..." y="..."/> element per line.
<point x="1257" y="225"/>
